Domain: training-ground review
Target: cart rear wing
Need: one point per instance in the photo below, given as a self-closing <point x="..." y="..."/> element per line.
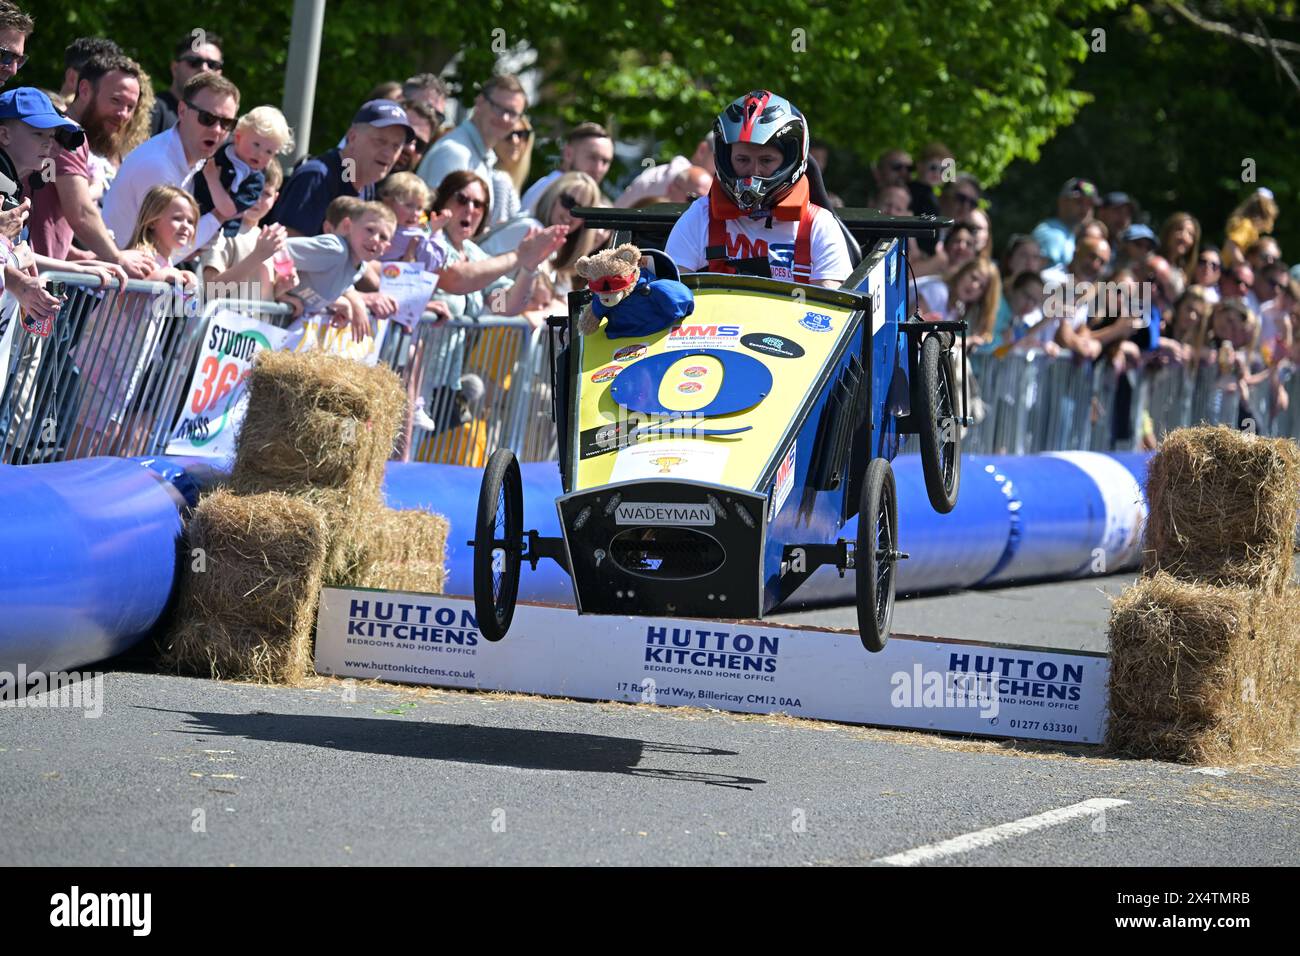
<point x="651" y="225"/>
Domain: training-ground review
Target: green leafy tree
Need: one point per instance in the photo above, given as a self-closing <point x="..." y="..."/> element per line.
<point x="992" y="78"/>
<point x="1186" y="113"/>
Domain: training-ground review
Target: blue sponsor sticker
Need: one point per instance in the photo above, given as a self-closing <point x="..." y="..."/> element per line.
<point x="816" y="322"/>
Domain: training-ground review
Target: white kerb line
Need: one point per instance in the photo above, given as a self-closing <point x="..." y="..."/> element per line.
<point x="1003" y="831"/>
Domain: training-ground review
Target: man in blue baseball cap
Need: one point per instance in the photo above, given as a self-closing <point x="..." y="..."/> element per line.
<point x="29" y="128"/>
<point x="377" y="136"/>
<point x="1136" y="245"/>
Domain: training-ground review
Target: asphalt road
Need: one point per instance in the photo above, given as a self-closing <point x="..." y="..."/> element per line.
<point x="183" y="771"/>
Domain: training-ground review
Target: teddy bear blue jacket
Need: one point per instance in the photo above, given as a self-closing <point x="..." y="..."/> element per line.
<point x="648" y="308"/>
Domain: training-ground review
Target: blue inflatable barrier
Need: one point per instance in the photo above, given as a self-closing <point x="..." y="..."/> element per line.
<point x="88" y="560"/>
<point x="89" y="549"/>
<point x="452" y="490"/>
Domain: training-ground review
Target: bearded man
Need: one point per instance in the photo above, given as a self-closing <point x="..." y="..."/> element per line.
<point x="63" y="204"/>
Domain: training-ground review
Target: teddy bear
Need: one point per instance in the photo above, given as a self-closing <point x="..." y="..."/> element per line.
<point x="635" y="305"/>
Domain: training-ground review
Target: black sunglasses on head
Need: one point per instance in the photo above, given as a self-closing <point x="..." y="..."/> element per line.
<point x="227" y="123"/>
<point x="196" y="61"/>
<point x="10" y="58"/>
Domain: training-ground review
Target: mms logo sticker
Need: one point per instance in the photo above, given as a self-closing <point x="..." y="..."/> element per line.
<point x="695" y="371"/>
<point x="816" y="322"/>
<point x="392" y="272"/>
<point x="689" y="387"/>
<point x="629" y="352"/>
<point x="606" y="373"/>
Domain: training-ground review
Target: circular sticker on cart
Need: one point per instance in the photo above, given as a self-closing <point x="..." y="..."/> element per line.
<point x="689" y="387"/>
<point x="695" y="371"/>
<point x="606" y="374"/>
<point x="777" y="346"/>
<point x="629" y="352"/>
<point x="816" y="322"/>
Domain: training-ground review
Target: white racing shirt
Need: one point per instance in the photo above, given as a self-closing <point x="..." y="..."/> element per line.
<point x="750" y="238"/>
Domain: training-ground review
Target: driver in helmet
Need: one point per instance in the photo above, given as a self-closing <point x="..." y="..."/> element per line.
<point x="758" y="205"/>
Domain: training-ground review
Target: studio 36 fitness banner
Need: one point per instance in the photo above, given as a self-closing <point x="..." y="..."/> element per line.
<point x="216" y="399"/>
<point x="215" y="402"/>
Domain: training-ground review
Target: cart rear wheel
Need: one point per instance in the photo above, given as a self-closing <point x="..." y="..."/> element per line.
<point x="498" y="544"/>
<point x="940" y="430"/>
<point x="875" y="559"/>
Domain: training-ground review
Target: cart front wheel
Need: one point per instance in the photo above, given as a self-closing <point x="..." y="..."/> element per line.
<point x="498" y="544"/>
<point x="876" y="556"/>
<point x="939" y="427"/>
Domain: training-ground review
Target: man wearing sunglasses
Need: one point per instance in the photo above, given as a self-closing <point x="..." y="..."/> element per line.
<point x="208" y="110"/>
<point x="1074" y="206"/>
<point x="427" y="89"/>
<point x="15" y="28"/>
<point x="424" y="122"/>
<point x="199" y="51"/>
<point x="469" y="146"/>
<point x="893" y="168"/>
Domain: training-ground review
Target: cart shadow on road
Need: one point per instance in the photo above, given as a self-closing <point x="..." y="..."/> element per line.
<point x="465" y="743"/>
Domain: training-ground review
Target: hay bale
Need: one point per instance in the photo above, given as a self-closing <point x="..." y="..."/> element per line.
<point x="1204" y="674"/>
<point x="400" y="551"/>
<point x="1223" y="508"/>
<point x="317" y="421"/>
<point x="249" y="613"/>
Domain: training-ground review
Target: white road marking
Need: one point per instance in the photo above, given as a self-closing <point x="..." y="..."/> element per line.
<point x="1003" y="831"/>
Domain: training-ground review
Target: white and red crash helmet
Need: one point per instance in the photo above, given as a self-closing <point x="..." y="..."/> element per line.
<point x="766" y="119"/>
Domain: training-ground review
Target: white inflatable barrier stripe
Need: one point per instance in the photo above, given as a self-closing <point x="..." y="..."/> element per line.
<point x="744" y="666"/>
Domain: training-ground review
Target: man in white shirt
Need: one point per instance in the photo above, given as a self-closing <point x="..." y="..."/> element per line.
<point x="206" y="115"/>
<point x="655" y="181"/>
<point x="587" y="149"/>
<point x="758" y="205"/>
<point x="469" y="146"/>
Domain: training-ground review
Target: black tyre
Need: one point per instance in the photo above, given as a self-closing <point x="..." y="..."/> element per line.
<point x="874" y="559"/>
<point x="498" y="544"/>
<point x="938" y="426"/>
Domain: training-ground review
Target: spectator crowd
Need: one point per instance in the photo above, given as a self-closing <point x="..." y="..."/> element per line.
<point x="111" y="178"/>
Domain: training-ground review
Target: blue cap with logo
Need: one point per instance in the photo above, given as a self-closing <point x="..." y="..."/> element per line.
<point x="34" y="108"/>
<point x="1137" y="233"/>
<point x="381" y="113"/>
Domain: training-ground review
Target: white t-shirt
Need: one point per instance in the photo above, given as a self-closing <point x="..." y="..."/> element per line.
<point x="528" y="204"/>
<point x="1066" y="297"/>
<point x="653" y="182"/>
<point x="749" y="238"/>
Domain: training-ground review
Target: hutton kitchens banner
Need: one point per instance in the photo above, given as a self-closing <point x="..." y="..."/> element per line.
<point x="751" y="667"/>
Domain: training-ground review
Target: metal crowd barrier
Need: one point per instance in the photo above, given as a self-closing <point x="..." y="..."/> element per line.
<point x="112" y="376"/>
<point x="111" y="379"/>
<point x="1027" y="403"/>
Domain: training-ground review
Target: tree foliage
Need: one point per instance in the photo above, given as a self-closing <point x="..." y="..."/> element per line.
<point x="992" y="78"/>
<point x="1181" y="118"/>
